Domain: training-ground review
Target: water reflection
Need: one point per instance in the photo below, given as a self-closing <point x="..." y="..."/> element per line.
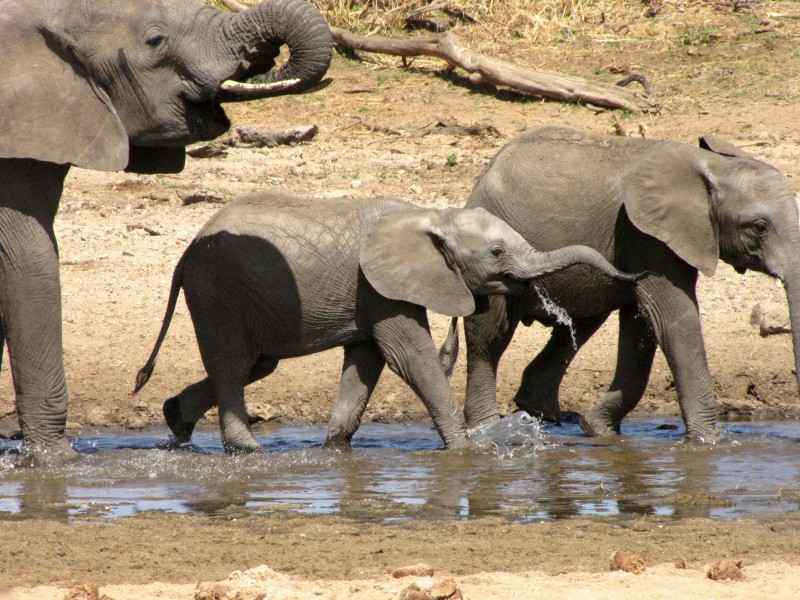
<point x="518" y="469"/>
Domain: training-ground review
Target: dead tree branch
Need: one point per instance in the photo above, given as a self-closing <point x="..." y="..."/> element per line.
<point x="538" y="83"/>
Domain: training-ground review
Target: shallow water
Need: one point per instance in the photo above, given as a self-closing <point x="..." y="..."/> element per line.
<point x="519" y="470"/>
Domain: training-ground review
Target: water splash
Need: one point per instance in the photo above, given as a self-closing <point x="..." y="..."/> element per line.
<point x="560" y="315"/>
<point x="514" y="434"/>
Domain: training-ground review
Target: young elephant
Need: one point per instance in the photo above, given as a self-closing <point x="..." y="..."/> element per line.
<point x="272" y="276"/>
<point x="665" y="207"/>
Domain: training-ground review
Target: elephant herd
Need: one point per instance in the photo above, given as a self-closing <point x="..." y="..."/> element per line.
<point x="599" y="224"/>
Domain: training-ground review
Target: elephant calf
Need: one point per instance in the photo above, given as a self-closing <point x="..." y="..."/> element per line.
<point x="272" y="276"/>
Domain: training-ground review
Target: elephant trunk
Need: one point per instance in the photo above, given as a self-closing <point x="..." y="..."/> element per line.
<point x="261" y="30"/>
<point x="792" y="285"/>
<point x="556" y="260"/>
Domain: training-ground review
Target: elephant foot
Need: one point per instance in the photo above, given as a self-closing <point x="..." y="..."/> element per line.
<point x="706" y="436"/>
<point x="457" y="443"/>
<point x="595" y="424"/>
<point x="240" y="448"/>
<point x="39" y="455"/>
<point x="337" y="443"/>
<point x="181" y="430"/>
<point x="545" y="415"/>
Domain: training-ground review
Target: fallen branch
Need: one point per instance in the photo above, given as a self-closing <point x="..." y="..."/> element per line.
<point x="375" y="127"/>
<point x="539" y="83"/>
<point x="246" y="137"/>
<point x="441" y="125"/>
<point x="274" y="137"/>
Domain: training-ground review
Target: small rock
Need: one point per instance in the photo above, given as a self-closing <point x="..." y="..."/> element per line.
<point x="680" y="563"/>
<point x="726" y="569"/>
<point x="261" y="412"/>
<point x="627" y="561"/>
<point x="414" y="592"/>
<point x="443" y="588"/>
<point x="85" y="591"/>
<point x="415" y="189"/>
<point x="418" y="570"/>
<point x="355" y="184"/>
<point x="770" y="318"/>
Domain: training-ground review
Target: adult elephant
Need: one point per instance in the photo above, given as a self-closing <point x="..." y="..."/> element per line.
<point x="660" y="206"/>
<point x="112" y="85"/>
<point x="273" y="276"/>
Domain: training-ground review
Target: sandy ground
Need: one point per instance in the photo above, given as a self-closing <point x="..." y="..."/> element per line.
<point x="120" y="236"/>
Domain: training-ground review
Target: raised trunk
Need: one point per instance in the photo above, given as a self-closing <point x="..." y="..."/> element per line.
<point x="550" y="262"/>
<point x="296" y="23"/>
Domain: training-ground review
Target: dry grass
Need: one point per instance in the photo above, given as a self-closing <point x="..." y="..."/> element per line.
<point x="684" y="46"/>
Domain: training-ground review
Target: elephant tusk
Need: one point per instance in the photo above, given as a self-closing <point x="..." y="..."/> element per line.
<point x="256" y="90"/>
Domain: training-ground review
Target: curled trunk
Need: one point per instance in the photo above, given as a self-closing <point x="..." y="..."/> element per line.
<point x="261" y="30"/>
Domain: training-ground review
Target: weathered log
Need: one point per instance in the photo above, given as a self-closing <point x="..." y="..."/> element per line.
<point x="274" y="137"/>
<point x="539" y="83"/>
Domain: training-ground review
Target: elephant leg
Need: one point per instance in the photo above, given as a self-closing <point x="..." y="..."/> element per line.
<point x="30" y="305"/>
<point x="635" y="352"/>
<point x="541" y="379"/>
<point x="361" y="370"/>
<point x="488" y="335"/>
<point x="182" y="412"/>
<point x="671" y="304"/>
<point x="405" y="342"/>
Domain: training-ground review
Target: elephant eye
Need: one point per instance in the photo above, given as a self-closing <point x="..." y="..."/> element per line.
<point x="498" y="251"/>
<point x="761" y="227"/>
<point x="156" y="39"/>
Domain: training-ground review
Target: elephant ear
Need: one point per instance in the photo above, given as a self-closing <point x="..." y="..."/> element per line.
<point x="49" y="109"/>
<point x="719" y="146"/>
<point x="667" y="195"/>
<point x="407" y="256"/>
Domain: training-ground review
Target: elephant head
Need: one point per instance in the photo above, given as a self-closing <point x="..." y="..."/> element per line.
<point x="718" y="202"/>
<point x="441" y="259"/>
<point x="121" y="84"/>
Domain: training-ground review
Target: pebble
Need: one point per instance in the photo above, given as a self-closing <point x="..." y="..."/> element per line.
<point x="627" y="561"/>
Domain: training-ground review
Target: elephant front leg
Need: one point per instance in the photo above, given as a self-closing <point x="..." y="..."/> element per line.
<point x="538" y="391"/>
<point x="673" y="311"/>
<point x="31" y="319"/>
<point x="635" y="352"/>
<point x="407" y="347"/>
<point x="361" y="370"/>
<point x="487" y="335"/>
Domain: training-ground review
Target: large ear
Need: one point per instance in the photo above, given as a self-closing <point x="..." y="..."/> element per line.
<point x="667" y="194"/>
<point x="405" y="257"/>
<point x="719" y="146"/>
<point x="49" y="109"/>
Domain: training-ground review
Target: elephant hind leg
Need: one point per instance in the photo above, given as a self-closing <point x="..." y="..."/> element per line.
<point x="635" y="353"/>
<point x="363" y="363"/>
<point x="541" y="379"/>
<point x="182" y="412"/>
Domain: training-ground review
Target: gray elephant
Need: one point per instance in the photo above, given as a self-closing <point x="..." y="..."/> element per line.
<point x="272" y="276"/>
<point x="665" y="207"/>
<point x="112" y="85"/>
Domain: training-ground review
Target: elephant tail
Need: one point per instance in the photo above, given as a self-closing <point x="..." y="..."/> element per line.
<point x="448" y="353"/>
<point x="143" y="376"/>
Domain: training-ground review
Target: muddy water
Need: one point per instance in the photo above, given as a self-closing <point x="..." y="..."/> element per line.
<point x="518" y="470"/>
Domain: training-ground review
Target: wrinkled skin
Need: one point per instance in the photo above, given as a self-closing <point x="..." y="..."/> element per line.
<point x="273" y="276"/>
<point x="110" y="86"/>
<point x="659" y="206"/>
